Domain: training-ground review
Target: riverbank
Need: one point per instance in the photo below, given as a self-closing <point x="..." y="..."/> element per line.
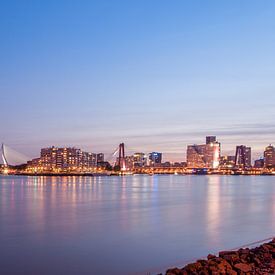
<point x="110" y="173"/>
<point x="259" y="260"/>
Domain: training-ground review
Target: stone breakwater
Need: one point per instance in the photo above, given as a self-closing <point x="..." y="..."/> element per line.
<point x="259" y="260"/>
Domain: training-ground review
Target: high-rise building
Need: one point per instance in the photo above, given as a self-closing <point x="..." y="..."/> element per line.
<point x="269" y="157"/>
<point x="195" y="156"/>
<point x="243" y="157"/>
<point x="227" y="162"/>
<point x="204" y="155"/>
<point x="259" y="163"/>
<point x="129" y="162"/>
<point x="65" y="158"/>
<point x="61" y="158"/>
<point x="88" y="159"/>
<point x="100" y="157"/>
<point x="139" y="160"/>
<point x="211" y="139"/>
<point x="155" y="158"/>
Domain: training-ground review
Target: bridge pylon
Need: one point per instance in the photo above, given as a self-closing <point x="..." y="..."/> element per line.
<point x="3" y="155"/>
<point x="121" y="157"/>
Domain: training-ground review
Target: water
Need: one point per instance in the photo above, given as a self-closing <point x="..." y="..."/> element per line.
<point x="127" y="225"/>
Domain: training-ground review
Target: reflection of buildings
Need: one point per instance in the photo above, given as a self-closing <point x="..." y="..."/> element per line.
<point x="269" y="157"/>
<point x="204" y="155"/>
<point x="214" y="209"/>
<point x="243" y="157"/>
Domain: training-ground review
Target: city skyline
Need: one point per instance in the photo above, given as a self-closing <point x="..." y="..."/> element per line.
<point x="205" y="158"/>
<point x="97" y="74"/>
<point x="213" y="156"/>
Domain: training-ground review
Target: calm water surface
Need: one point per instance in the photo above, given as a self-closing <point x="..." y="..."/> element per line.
<point x="127" y="225"/>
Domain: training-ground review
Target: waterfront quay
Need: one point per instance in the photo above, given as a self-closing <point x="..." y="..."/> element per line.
<point x="142" y="170"/>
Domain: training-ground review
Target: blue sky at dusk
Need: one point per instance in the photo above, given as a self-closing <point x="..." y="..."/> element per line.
<point x="155" y="74"/>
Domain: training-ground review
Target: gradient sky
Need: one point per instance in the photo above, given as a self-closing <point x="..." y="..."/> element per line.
<point x="155" y="74"/>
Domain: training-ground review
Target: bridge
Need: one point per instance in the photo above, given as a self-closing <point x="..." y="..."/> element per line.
<point x="11" y="157"/>
<point x="117" y="159"/>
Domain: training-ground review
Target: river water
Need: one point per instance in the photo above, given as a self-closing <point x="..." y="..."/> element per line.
<point x="128" y="225"/>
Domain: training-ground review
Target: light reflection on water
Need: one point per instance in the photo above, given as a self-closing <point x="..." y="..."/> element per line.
<point x="124" y="225"/>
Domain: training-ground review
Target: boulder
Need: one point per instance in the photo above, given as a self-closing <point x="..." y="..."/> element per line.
<point x="243" y="267"/>
<point x="255" y="261"/>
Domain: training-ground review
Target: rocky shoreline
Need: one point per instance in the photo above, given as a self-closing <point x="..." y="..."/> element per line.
<point x="259" y="260"/>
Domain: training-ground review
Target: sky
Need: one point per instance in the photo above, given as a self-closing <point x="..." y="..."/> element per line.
<point x="157" y="75"/>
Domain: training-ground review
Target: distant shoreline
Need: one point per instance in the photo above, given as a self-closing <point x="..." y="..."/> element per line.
<point x="119" y="175"/>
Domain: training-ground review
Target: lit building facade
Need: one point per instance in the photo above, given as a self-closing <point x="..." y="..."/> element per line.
<point x="259" y="163"/>
<point x="129" y="162"/>
<point x="139" y="160"/>
<point x="155" y="158"/>
<point x="211" y="139"/>
<point x="243" y="157"/>
<point x="100" y="157"/>
<point x="269" y="157"/>
<point x="68" y="158"/>
<point x="204" y="155"/>
<point x="227" y="162"/>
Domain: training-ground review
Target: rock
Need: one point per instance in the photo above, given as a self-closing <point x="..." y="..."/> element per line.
<point x="211" y="256"/>
<point x="243" y="267"/>
<point x="174" y="271"/>
<point x="224" y="266"/>
<point x="256" y="261"/>
<point x="202" y="262"/>
<point x="193" y="268"/>
<point x="222" y="253"/>
<point x="232" y="272"/>
<point x="204" y="272"/>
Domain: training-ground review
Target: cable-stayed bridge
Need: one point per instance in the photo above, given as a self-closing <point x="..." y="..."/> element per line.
<point x="117" y="159"/>
<point x="10" y="157"/>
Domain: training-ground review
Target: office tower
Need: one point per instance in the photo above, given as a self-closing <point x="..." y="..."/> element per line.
<point x="269" y="157"/>
<point x="67" y="158"/>
<point x="60" y="158"/>
<point x="139" y="160"/>
<point x="259" y="163"/>
<point x="243" y="157"/>
<point x="88" y="160"/>
<point x="204" y="155"/>
<point x="210" y="139"/>
<point x="155" y="158"/>
<point x="129" y="162"/>
<point x="100" y="157"/>
<point x="227" y="162"/>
